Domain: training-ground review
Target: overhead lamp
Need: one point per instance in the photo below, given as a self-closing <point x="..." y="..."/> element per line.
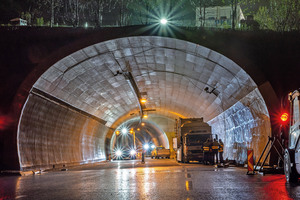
<point x="143" y="124"/>
<point x="143" y="100"/>
<point x="163" y="21"/>
<point x="117" y="132"/>
<point x="124" y="130"/>
<point x="145" y="116"/>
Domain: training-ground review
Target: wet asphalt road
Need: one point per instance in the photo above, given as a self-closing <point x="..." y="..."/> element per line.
<point x="157" y="179"/>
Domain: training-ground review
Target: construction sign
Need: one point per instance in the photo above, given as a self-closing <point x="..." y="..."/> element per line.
<point x="250" y="162"/>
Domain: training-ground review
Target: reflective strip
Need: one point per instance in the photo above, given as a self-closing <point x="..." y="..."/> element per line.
<point x="221" y="148"/>
<point x="206" y="148"/>
<point x="215" y="147"/>
<point x="250" y="160"/>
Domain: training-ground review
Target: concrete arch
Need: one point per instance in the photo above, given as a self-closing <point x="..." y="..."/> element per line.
<point x="74" y="107"/>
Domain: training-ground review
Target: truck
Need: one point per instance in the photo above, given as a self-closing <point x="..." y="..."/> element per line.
<point x="192" y="133"/>
<point x="292" y="152"/>
<point x="160" y="152"/>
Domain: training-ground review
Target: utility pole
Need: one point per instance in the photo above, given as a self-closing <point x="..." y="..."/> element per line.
<point x="133" y="134"/>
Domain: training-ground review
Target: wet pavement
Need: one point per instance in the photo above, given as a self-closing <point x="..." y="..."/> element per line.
<point x="156" y="179"/>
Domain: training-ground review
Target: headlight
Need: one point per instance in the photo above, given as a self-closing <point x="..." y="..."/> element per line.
<point x="146" y="146"/>
<point x="132" y="152"/>
<point x="118" y="153"/>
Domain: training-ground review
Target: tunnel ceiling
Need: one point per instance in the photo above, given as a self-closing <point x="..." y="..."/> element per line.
<point x="177" y="77"/>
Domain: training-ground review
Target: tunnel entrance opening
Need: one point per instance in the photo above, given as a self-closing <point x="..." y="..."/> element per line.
<point x="135" y="134"/>
<point x="74" y="108"/>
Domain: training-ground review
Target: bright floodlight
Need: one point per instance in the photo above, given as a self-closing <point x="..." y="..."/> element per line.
<point x="146" y="146"/>
<point x="118" y="153"/>
<point x="132" y="152"/>
<point x="124" y="130"/>
<point x="163" y="21"/>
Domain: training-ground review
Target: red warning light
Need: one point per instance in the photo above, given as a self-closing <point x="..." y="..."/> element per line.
<point x="284" y="117"/>
<point x="5" y="121"/>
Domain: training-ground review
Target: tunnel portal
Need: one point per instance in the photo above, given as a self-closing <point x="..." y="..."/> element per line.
<point x="74" y="108"/>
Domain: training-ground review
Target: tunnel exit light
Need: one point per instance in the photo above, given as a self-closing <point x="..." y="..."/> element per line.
<point x="284" y="117"/>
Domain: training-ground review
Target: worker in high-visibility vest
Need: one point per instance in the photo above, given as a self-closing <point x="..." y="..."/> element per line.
<point x="206" y="145"/>
<point x="221" y="148"/>
<point x="215" y="148"/>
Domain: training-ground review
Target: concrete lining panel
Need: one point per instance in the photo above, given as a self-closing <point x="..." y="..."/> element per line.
<point x="51" y="135"/>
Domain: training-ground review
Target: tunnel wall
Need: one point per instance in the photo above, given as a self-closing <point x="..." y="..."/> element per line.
<point x="244" y="125"/>
<point x="51" y="135"/>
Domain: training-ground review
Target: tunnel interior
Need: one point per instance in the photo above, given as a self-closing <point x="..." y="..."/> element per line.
<point x="134" y="134"/>
<point x="74" y="109"/>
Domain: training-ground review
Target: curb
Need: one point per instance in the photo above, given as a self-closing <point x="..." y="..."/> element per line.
<point x="20" y="173"/>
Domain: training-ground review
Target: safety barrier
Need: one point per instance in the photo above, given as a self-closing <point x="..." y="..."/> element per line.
<point x="250" y="162"/>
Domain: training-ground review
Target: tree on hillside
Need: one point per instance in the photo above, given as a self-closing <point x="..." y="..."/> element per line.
<point x="280" y="15"/>
<point x="97" y="8"/>
<point x="141" y="10"/>
<point x="202" y="5"/>
<point x="286" y="14"/>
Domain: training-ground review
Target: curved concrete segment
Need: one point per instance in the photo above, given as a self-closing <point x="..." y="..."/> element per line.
<point x="78" y="102"/>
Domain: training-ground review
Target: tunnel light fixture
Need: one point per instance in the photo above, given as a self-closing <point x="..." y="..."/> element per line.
<point x="152" y="146"/>
<point x="117" y="132"/>
<point x="143" y="100"/>
<point x="163" y="21"/>
<point x="143" y="124"/>
<point x="138" y="129"/>
<point x="124" y="130"/>
<point x="145" y="116"/>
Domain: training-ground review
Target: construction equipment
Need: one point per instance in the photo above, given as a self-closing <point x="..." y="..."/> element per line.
<point x="292" y="153"/>
<point x="272" y="141"/>
<point x="193" y="133"/>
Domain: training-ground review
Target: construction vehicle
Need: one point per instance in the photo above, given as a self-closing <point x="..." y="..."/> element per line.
<point x="292" y="153"/>
<point x="160" y="152"/>
<point x="192" y="133"/>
